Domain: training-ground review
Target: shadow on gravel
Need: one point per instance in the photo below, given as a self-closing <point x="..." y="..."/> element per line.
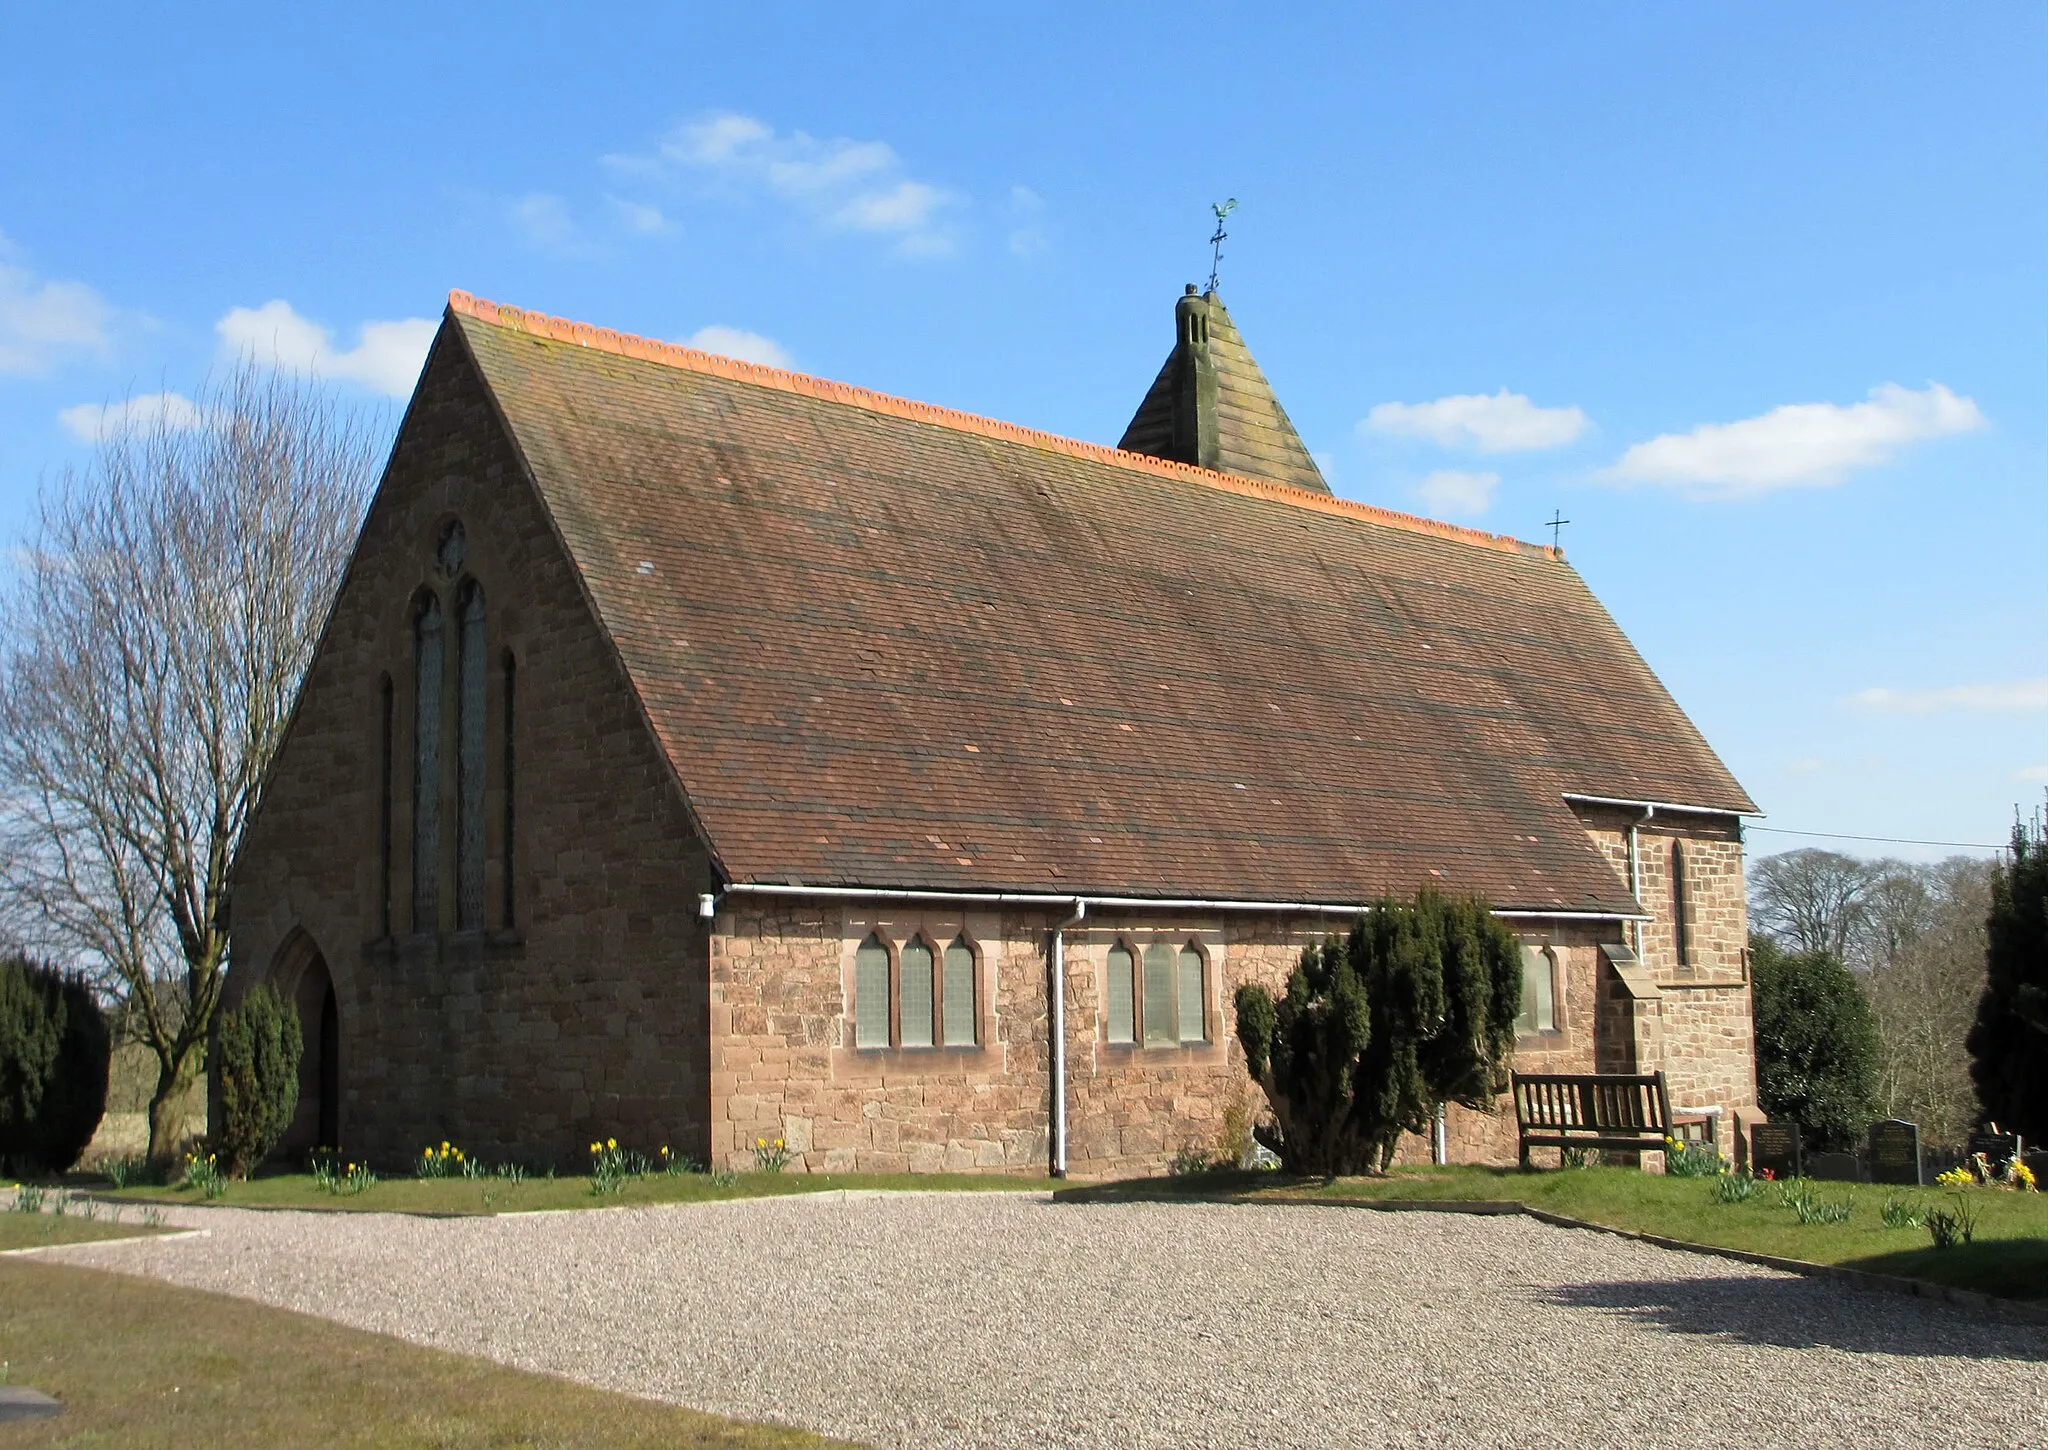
<point x="1807" y="1314"/>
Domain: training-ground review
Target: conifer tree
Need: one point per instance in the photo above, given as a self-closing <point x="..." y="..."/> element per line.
<point x="1816" y="1043"/>
<point x="2009" y="1042"/>
<point x="1415" y="1008"/>
<point x="54" y="1054"/>
<point x="256" y="1055"/>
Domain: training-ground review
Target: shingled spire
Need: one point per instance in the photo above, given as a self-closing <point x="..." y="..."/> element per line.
<point x="1210" y="405"/>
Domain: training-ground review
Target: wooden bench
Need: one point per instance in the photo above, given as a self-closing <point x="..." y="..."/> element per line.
<point x="1590" y="1110"/>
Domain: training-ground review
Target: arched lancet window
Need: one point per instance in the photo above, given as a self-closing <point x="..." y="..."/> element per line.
<point x="384" y="786"/>
<point x="426" y="766"/>
<point x="1193" y="1020"/>
<point x="1539" y="992"/>
<point x="871" y="993"/>
<point x="914" y="995"/>
<point x="1159" y="1019"/>
<point x="1681" y="908"/>
<point x="1122" y="1019"/>
<point x="470" y="696"/>
<point x="957" y="993"/>
<point x="511" y="797"/>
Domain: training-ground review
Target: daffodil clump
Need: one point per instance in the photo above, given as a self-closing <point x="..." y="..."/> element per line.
<point x="607" y="1167"/>
<point x="1977" y="1169"/>
<point x="344" y="1179"/>
<point x="203" y="1172"/>
<point x="1691" y="1160"/>
<point x="440" y="1162"/>
<point x="772" y="1157"/>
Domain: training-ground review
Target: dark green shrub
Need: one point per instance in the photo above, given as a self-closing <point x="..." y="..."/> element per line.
<point x="1816" y="1044"/>
<point x="1417" y="1007"/>
<point x="256" y="1052"/>
<point x="54" y="1051"/>
<point x="2008" y="1043"/>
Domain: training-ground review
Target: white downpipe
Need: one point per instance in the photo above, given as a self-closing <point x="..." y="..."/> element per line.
<point x="1635" y="874"/>
<point x="1057" y="991"/>
<point x="1440" y="1138"/>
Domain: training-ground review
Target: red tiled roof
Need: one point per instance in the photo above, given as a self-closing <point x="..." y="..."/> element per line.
<point x="886" y="644"/>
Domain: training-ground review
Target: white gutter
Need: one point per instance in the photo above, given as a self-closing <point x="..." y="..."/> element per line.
<point x="1058" y="994"/>
<point x="1655" y="806"/>
<point x="1165" y="903"/>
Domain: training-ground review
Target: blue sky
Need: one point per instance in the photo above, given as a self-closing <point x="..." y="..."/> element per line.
<point x="1756" y="294"/>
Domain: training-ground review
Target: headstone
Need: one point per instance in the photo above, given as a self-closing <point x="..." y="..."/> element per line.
<point x="1774" y="1150"/>
<point x="1835" y="1167"/>
<point x="1895" y="1153"/>
<point x="1998" y="1148"/>
<point x="19" y="1402"/>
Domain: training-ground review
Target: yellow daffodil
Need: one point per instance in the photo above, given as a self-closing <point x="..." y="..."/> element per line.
<point x="611" y="1142"/>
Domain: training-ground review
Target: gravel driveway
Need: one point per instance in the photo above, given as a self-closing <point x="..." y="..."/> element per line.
<point x="1000" y="1321"/>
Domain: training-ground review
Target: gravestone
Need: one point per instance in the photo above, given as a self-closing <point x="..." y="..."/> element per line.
<point x="1895" y="1153"/>
<point x="1998" y="1148"/>
<point x="1774" y="1150"/>
<point x="19" y="1402"/>
<point x="1835" y="1167"/>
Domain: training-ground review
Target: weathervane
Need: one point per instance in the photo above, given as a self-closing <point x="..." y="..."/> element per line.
<point x="1222" y="210"/>
<point x="1557" y="521"/>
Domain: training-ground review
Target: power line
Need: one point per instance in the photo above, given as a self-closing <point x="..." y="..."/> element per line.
<point x="1886" y="840"/>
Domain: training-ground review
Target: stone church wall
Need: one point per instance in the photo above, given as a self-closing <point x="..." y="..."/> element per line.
<point x="584" y="1014"/>
<point x="783" y="1063"/>
<point x="1702" y="1034"/>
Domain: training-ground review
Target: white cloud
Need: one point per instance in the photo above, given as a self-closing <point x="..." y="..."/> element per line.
<point x="1797" y="445"/>
<point x="1501" y="422"/>
<point x="1027" y="223"/>
<point x="387" y="355"/>
<point x="2033" y="773"/>
<point x="1450" y="491"/>
<point x="90" y="422"/>
<point x="2011" y="695"/>
<point x="41" y="321"/>
<point x="738" y="342"/>
<point x="639" y="216"/>
<point x="841" y="184"/>
<point x="544" y="220"/>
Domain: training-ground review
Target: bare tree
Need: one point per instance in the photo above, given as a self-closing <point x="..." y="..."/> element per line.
<point x="1810" y="901"/>
<point x="1924" y="990"/>
<point x="150" y="651"/>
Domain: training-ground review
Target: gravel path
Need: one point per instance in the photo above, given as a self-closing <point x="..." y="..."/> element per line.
<point x="1001" y="1321"/>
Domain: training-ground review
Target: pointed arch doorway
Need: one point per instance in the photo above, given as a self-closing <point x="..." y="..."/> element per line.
<point x="301" y="976"/>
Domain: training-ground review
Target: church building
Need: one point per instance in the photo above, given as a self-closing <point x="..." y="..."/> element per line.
<point x="699" y="753"/>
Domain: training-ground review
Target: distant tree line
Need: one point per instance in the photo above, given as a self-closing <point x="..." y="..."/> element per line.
<point x="1872" y="992"/>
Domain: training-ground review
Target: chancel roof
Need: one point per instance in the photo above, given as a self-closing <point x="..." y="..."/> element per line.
<point x="888" y="645"/>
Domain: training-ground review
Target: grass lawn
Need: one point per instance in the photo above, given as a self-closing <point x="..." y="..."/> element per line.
<point x="138" y="1363"/>
<point x="494" y="1195"/>
<point x="2009" y="1257"/>
<point x="40" y="1230"/>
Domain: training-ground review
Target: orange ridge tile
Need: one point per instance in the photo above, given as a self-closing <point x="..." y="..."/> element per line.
<point x="672" y="354"/>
